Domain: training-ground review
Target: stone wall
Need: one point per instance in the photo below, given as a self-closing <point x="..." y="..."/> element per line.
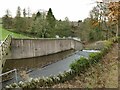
<point x="4" y="50"/>
<point x="26" y="48"/>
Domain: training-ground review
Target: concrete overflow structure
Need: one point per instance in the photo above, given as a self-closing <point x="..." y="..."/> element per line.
<point x="26" y="48"/>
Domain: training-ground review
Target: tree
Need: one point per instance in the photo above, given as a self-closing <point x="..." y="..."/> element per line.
<point x="24" y="12"/>
<point x="18" y="12"/>
<point x="7" y="20"/>
<point x="28" y="12"/>
<point x="63" y="28"/>
<point x="50" y="19"/>
<point x="113" y="14"/>
<point x="40" y="27"/>
<point x="98" y="20"/>
<point x="37" y="15"/>
<point x="18" y="21"/>
<point x="85" y="28"/>
<point x="108" y="13"/>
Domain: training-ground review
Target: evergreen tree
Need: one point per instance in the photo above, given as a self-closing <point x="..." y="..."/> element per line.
<point x="7" y="20"/>
<point x="18" y="12"/>
<point x="51" y="22"/>
<point x="24" y="12"/>
<point x="37" y="15"/>
<point x="28" y="12"/>
<point x="50" y="18"/>
<point x="18" y="21"/>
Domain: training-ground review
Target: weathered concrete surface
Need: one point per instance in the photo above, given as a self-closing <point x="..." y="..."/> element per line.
<point x="35" y="62"/>
<point x="25" y="48"/>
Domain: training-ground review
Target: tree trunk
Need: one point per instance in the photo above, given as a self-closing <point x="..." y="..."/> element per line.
<point x="117" y="30"/>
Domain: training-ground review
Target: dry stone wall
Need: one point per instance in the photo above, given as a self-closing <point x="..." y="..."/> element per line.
<point x="4" y="50"/>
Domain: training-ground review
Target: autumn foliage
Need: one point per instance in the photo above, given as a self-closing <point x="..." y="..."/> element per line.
<point x="105" y="16"/>
<point x="114" y="11"/>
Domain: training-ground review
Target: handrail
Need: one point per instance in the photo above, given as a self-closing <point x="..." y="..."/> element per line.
<point x="14" y="70"/>
<point x="7" y="72"/>
<point x="5" y="39"/>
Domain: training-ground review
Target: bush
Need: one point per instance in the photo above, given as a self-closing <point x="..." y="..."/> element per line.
<point x="107" y="46"/>
<point x="95" y="57"/>
<point x="114" y="39"/>
<point x="80" y="65"/>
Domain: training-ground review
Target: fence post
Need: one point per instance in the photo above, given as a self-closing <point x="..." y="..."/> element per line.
<point x="16" y="78"/>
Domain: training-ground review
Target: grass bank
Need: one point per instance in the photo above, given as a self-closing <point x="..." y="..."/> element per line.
<point x="5" y="32"/>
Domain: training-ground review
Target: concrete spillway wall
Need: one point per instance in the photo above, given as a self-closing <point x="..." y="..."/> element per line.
<point x="26" y="48"/>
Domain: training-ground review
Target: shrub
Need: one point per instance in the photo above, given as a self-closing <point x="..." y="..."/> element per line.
<point x="54" y="79"/>
<point x="108" y="45"/>
<point x="114" y="39"/>
<point x="67" y="75"/>
<point x="95" y="57"/>
<point x="79" y="65"/>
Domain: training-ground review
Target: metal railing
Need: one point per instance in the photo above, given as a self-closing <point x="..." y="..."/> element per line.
<point x="14" y="70"/>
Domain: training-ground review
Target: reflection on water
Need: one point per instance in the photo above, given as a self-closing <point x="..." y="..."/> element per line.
<point x="35" y="62"/>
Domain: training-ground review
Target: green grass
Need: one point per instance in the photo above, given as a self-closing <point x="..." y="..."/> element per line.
<point x="4" y="33"/>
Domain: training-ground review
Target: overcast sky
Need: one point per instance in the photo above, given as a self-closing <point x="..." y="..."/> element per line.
<point x="73" y="9"/>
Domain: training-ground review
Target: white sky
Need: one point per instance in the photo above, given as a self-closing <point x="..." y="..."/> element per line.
<point x="73" y="9"/>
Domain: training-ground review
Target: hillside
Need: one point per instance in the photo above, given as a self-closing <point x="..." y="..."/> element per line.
<point x="4" y="33"/>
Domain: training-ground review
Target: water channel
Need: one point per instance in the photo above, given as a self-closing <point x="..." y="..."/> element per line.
<point x="61" y="64"/>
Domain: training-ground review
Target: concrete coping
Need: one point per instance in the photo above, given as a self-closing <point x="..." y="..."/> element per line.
<point x="45" y="39"/>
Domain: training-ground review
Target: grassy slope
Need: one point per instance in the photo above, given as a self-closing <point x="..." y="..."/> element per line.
<point x="4" y="33"/>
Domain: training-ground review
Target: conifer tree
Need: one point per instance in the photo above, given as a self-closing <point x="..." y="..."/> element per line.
<point x="24" y="12"/>
<point x="7" y="20"/>
<point x="18" y="12"/>
<point x="50" y="18"/>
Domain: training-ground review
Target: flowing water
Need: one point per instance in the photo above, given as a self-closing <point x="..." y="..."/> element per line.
<point x="61" y="65"/>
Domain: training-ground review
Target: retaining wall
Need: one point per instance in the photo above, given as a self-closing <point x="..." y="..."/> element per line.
<point x="35" y="62"/>
<point x="25" y="48"/>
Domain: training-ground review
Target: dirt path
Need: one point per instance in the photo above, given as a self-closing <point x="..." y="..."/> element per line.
<point x="102" y="75"/>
